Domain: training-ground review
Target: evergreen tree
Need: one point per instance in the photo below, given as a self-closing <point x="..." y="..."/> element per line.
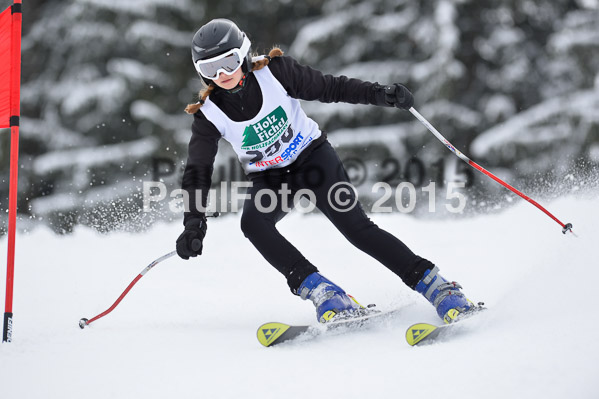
<point x="104" y="84"/>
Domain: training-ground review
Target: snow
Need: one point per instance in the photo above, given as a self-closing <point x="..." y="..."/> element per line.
<point x="137" y="7"/>
<point x="105" y="94"/>
<point x="325" y="27"/>
<point x="377" y="71"/>
<point x="146" y="110"/>
<point x="46" y="206"/>
<point x="389" y="135"/>
<point x="392" y="22"/>
<point x="136" y="71"/>
<point x="590" y="4"/>
<point x="187" y="329"/>
<point x="521" y="127"/>
<point x="62" y="138"/>
<point x="499" y="106"/>
<point x="93" y="31"/>
<point x="145" y="32"/>
<point x="461" y="116"/>
<point x="84" y="158"/>
<point x="445" y="15"/>
<point x="564" y="41"/>
<point x="594" y="153"/>
<point x="501" y="38"/>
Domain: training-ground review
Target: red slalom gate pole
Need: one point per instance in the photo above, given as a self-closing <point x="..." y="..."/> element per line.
<point x="565" y="227"/>
<point x="14" y="116"/>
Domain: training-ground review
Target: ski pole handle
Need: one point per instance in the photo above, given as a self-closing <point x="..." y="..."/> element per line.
<point x="196" y="244"/>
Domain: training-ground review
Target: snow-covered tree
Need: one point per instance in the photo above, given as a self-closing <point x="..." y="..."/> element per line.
<point x="103" y="91"/>
<point x="104" y="83"/>
<point x="522" y="74"/>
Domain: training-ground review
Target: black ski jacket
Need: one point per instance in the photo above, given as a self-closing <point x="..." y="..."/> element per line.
<point x="301" y="82"/>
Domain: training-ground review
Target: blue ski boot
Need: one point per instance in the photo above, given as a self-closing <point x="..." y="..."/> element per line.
<point x="445" y="296"/>
<point x="330" y="300"/>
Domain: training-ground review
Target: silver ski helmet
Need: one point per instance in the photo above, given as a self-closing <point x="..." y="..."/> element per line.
<point x="220" y="46"/>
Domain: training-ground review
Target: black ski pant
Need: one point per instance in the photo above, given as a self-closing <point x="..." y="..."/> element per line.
<point x="318" y="173"/>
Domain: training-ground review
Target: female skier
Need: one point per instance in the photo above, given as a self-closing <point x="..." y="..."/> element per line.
<point x="255" y="107"/>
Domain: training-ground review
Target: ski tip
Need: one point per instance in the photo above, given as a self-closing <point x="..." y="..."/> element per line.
<point x="417" y="332"/>
<point x="269" y="333"/>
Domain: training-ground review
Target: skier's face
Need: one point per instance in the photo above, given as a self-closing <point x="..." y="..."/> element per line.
<point x="229" y="82"/>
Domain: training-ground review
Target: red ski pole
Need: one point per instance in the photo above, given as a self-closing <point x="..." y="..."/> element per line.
<point x="565" y="227"/>
<point x="85" y="322"/>
<point x="195" y="245"/>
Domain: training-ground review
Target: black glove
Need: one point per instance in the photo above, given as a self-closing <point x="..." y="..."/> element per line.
<point x="398" y="95"/>
<point x="189" y="242"/>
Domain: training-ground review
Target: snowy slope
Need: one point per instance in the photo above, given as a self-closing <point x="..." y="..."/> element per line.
<point x="187" y="329"/>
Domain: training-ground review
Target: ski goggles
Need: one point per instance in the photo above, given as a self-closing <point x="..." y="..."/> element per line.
<point x="227" y="63"/>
